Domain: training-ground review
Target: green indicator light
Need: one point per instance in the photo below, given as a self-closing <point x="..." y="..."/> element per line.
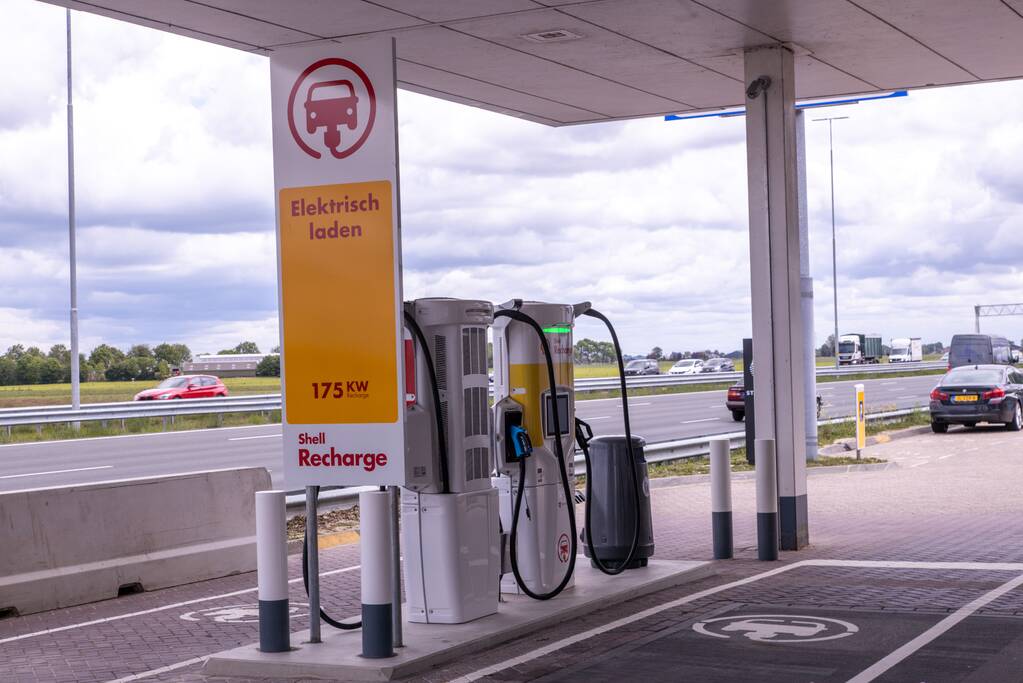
<point x="557" y="330"/>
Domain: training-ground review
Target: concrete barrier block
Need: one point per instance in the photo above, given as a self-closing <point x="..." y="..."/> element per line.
<point x="70" y="545"/>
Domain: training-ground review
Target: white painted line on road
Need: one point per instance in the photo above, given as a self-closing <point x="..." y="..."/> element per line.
<point x="39" y="474"/>
<point x="889" y="384"/>
<point x="261" y="436"/>
<point x="942" y="457"/>
<point x="706" y="419"/>
<point x="135" y="436"/>
<point x="161" y="670"/>
<point x="631" y="404"/>
<point x="598" y="417"/>
<point x="902" y="398"/>
<point x="886" y="663"/>
<point x="654" y="397"/>
<point x="162" y="608"/>
<point x="652" y="611"/>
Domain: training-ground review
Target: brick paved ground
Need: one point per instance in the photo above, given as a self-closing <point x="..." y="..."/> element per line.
<point x="954" y="497"/>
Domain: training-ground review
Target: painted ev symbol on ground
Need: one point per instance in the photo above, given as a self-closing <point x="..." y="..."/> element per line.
<point x="776" y="628"/>
<point x="233" y="614"/>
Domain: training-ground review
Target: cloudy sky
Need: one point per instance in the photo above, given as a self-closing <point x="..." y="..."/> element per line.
<point x="646" y="218"/>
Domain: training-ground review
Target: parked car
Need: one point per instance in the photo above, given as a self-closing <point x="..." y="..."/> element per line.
<point x="184" y="386"/>
<point x="970" y="394"/>
<point x="718" y="365"/>
<point x="642" y="366"/>
<point x="735" y="401"/>
<point x="688" y="366"/>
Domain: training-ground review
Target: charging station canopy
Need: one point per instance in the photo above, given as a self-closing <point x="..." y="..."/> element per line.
<point x="562" y="62"/>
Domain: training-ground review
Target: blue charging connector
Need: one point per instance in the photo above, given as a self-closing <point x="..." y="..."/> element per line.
<point x="521" y="442"/>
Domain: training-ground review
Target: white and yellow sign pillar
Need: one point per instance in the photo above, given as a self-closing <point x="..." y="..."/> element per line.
<point x="339" y="263"/>
<point x="861" y="421"/>
<point x="339" y="286"/>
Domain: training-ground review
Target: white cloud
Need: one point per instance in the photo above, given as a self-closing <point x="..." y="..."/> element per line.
<point x="646" y="219"/>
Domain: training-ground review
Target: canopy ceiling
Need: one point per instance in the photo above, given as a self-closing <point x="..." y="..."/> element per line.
<point x="562" y="62"/>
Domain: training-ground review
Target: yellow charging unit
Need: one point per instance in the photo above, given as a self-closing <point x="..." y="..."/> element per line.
<point x="524" y="419"/>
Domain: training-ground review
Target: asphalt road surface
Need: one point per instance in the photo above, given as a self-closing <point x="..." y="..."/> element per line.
<point x="656" y="418"/>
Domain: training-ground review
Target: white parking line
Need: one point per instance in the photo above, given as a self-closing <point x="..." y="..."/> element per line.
<point x="902" y="398"/>
<point x="161" y="670"/>
<point x="39" y="474"/>
<point x="152" y="610"/>
<point x="943" y="626"/>
<point x="706" y="419"/>
<point x="261" y="436"/>
<point x="598" y="417"/>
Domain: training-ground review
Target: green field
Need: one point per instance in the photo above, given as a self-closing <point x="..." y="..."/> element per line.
<point x="108" y="392"/>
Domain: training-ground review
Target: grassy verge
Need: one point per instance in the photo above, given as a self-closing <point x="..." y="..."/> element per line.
<point x="866" y="374"/>
<point x="830" y="433"/>
<point x="109" y="392"/>
<point x="51" y="432"/>
<point x="701" y="465"/>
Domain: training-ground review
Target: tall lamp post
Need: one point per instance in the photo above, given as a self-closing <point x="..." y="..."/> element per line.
<point x="834" y="249"/>
<point x="72" y="256"/>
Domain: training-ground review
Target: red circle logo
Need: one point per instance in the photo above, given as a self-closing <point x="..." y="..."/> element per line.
<point x="564" y="548"/>
<point x="337" y="108"/>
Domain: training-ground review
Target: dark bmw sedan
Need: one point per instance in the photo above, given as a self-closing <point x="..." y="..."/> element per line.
<point x="970" y="394"/>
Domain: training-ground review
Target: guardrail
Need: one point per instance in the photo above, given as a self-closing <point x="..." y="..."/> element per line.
<point x="611" y="383"/>
<point x="39" y="415"/>
<point x="664" y="451"/>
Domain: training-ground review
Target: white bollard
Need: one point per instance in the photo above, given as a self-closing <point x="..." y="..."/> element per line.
<point x="721" y="498"/>
<point x="767" y="500"/>
<point x="272" y="571"/>
<point x="375" y="540"/>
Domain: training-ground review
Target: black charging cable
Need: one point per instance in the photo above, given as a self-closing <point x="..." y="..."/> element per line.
<point x="431" y="370"/>
<point x="344" y="626"/>
<point x="583" y="439"/>
<point x="559" y="449"/>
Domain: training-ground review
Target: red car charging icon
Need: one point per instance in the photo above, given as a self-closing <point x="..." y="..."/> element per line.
<point x="329" y="95"/>
<point x="330" y="105"/>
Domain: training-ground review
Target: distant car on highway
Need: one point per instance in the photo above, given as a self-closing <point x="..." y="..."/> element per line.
<point x="718" y="365"/>
<point x="735" y="401"/>
<point x="970" y="394"/>
<point x="688" y="366"/>
<point x="642" y="366"/>
<point x="184" y="386"/>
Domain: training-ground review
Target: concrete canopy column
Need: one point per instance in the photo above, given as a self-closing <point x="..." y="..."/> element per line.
<point x="778" y="341"/>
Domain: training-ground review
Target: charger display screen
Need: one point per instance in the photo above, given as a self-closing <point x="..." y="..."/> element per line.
<point x="548" y="415"/>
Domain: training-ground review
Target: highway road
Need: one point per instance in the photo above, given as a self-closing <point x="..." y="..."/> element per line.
<point x="656" y="418"/>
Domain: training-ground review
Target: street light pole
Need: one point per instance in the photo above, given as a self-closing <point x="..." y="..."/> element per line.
<point x="834" y="248"/>
<point x="75" y="370"/>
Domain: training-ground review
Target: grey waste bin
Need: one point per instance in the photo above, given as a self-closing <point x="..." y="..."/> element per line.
<point x="612" y="501"/>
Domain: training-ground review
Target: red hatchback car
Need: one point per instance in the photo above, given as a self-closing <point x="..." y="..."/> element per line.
<point x="184" y="386"/>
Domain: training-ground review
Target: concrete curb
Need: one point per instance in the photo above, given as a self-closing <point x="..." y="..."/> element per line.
<point x="326" y="541"/>
<point x="847" y="445"/>
<point x="669" y="482"/>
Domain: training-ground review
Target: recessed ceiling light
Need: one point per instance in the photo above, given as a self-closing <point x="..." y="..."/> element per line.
<point x="556" y="35"/>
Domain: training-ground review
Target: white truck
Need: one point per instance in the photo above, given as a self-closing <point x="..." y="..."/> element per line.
<point x="906" y="350"/>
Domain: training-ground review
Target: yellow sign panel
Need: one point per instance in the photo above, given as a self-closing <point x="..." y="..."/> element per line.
<point x="338" y="293"/>
<point x="861" y="418"/>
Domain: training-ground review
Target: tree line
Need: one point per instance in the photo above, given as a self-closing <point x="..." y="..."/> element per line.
<point x="588" y="351"/>
<point x="20" y="365"/>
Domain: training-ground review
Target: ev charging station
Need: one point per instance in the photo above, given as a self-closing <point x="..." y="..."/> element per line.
<point x="381" y="392"/>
